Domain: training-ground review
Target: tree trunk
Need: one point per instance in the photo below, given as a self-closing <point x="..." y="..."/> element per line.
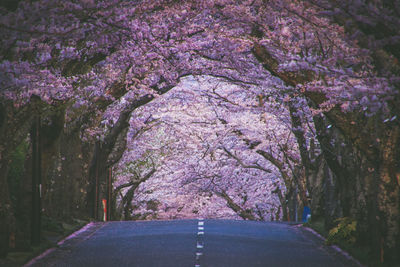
<point x="366" y="167"/>
<point x="15" y="125"/>
<point x="388" y="197"/>
<point x="284" y="204"/>
<point x="36" y="209"/>
<point x="127" y="199"/>
<point x="101" y="158"/>
<point x="6" y="214"/>
<point x="244" y="214"/>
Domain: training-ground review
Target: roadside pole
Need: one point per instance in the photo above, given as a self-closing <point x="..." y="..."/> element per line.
<point x="104" y="202"/>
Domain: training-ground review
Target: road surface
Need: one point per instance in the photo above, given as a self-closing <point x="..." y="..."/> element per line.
<point x="196" y="243"/>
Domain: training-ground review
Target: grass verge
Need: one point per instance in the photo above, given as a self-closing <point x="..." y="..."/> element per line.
<point x="344" y="236"/>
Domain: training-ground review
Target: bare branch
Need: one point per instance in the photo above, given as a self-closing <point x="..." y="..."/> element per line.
<point x="255" y="166"/>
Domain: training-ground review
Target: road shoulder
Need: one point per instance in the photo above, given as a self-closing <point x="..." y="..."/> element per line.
<point x="333" y="250"/>
<point x="51" y="255"/>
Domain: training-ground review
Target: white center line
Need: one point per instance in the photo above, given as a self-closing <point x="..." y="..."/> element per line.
<point x="200" y="244"/>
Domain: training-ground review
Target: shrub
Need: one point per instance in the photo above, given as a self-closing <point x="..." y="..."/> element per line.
<point x="17" y="169"/>
<point x="344" y="233"/>
<point x="52" y="225"/>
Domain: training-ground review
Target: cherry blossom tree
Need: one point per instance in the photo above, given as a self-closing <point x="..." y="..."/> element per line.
<point x="329" y="70"/>
<point x="192" y="137"/>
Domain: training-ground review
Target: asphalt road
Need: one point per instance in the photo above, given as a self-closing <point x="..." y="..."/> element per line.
<point x="196" y="243"/>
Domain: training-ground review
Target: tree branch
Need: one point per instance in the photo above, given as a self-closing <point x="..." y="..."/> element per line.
<point x="146" y="177"/>
<point x="256" y="166"/>
<point x="244" y="214"/>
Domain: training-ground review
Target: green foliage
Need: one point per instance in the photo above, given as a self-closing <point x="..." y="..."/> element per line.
<point x="74" y="225"/>
<point x="52" y="225"/>
<point x="53" y="231"/>
<point x="17" y="169"/>
<point x="317" y="225"/>
<point x="345" y="230"/>
<point x="344" y="233"/>
<point x="18" y="258"/>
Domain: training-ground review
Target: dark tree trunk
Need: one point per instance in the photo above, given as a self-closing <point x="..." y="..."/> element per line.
<point x="126" y="201"/>
<point x="6" y="214"/>
<point x="244" y="214"/>
<point x="366" y="170"/>
<point x="290" y="199"/>
<point x="15" y="125"/>
<point x="66" y="176"/>
<point x="284" y="204"/>
<point x="100" y="161"/>
<point x="36" y="209"/>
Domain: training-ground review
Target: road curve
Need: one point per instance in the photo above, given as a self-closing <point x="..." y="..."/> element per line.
<point x="196" y="243"/>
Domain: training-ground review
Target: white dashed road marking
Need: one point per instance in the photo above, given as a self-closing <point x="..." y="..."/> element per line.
<point x="200" y="244"/>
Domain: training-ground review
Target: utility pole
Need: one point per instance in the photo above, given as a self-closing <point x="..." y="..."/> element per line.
<point x="36" y="182"/>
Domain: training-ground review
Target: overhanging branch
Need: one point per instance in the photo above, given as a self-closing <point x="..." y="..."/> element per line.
<point x="255" y="166"/>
